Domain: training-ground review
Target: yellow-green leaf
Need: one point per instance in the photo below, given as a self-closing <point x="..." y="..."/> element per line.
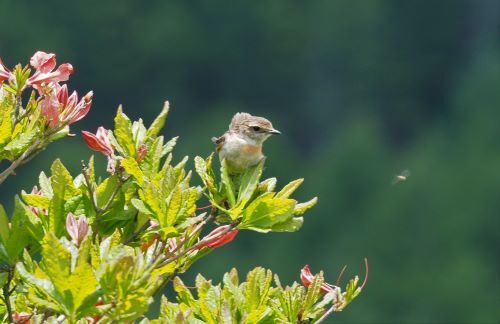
<point x="36" y="200"/>
<point x="289" y="188"/>
<point x="159" y="122"/>
<point x="6" y="126"/>
<point x="132" y="167"/>
<point x="123" y="133"/>
<point x="174" y="207"/>
<point x="56" y="262"/>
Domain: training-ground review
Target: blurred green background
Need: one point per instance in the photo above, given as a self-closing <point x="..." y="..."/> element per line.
<point x="361" y="90"/>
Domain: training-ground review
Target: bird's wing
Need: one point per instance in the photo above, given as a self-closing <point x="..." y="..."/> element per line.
<point x="219" y="141"/>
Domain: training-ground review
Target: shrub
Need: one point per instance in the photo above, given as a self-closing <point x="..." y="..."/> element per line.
<point x="85" y="249"/>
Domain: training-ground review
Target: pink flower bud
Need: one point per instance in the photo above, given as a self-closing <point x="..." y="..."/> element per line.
<point x="98" y="142"/>
<point x="77" y="229"/>
<point x="142" y="151"/>
<point x="215" y="239"/>
<point x="22" y="317"/>
<point x="5" y="74"/>
<point x="307" y="278"/>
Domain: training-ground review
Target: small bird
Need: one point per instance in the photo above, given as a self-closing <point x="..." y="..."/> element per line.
<point x="241" y="145"/>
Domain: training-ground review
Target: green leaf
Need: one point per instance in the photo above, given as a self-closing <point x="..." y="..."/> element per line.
<point x="19" y="236"/>
<point x="82" y="283"/>
<point x="123" y="134"/>
<point x="45" y="185"/>
<point x="151" y="197"/>
<point x="138" y="132"/>
<point x="249" y="182"/>
<point x="62" y="186"/>
<point x="140" y="206"/>
<point x="44" y="288"/>
<point x="56" y="262"/>
<point x="184" y="295"/>
<point x="313" y="291"/>
<point x="152" y="160"/>
<point x="20" y="143"/>
<point x="301" y="208"/>
<point x="227" y="184"/>
<point x="291" y="225"/>
<point x="6" y="126"/>
<point x="174" y="207"/>
<point x="36" y="200"/>
<point x="106" y="189"/>
<point x="202" y="169"/>
<point x="132" y="167"/>
<point x="159" y="122"/>
<point x="169" y="146"/>
<point x="3" y="278"/>
<point x="4" y="225"/>
<point x="268" y="185"/>
<point x="289" y="188"/>
<point x="265" y="212"/>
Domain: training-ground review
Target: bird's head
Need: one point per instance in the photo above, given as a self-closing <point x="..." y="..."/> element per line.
<point x="256" y="129"/>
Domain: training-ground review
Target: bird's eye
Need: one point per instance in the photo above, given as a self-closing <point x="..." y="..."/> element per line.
<point x="256" y="128"/>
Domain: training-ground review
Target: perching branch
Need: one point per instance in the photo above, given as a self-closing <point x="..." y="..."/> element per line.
<point x="27" y="155"/>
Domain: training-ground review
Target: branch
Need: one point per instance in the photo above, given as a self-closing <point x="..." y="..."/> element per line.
<point x="26" y="156"/>
<point x="134" y="235"/>
<point x="20" y="160"/>
<point x="325" y="315"/>
<point x="6" y="294"/>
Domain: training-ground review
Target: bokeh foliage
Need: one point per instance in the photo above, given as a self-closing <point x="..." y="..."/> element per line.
<point x="361" y="91"/>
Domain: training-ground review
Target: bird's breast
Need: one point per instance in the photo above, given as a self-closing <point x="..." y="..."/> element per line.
<point x="241" y="155"/>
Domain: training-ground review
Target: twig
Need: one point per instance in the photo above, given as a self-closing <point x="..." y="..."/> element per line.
<point x="17" y="162"/>
<point x="205" y="207"/>
<point x="99" y="211"/>
<point x="90" y="190"/>
<point x="23" y="158"/>
<point x="6" y="294"/>
<point x="325" y="315"/>
<point x="134" y="235"/>
<point x="114" y="193"/>
<point x="200" y="226"/>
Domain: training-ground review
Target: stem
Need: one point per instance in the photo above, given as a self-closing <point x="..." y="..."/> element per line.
<point x="205" y="207"/>
<point x="20" y="160"/>
<point x="6" y="294"/>
<point x="135" y="234"/>
<point x="325" y="315"/>
<point x="99" y="211"/>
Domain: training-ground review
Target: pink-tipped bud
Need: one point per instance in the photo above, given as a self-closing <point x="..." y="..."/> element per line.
<point x="99" y="141"/>
<point x="77" y="229"/>
<point x="215" y="239"/>
<point x="142" y="151"/>
<point x="5" y="74"/>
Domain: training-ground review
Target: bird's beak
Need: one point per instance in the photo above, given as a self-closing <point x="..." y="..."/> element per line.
<point x="274" y="131"/>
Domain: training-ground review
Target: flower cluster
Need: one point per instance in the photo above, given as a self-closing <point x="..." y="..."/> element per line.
<point x="58" y="107"/>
